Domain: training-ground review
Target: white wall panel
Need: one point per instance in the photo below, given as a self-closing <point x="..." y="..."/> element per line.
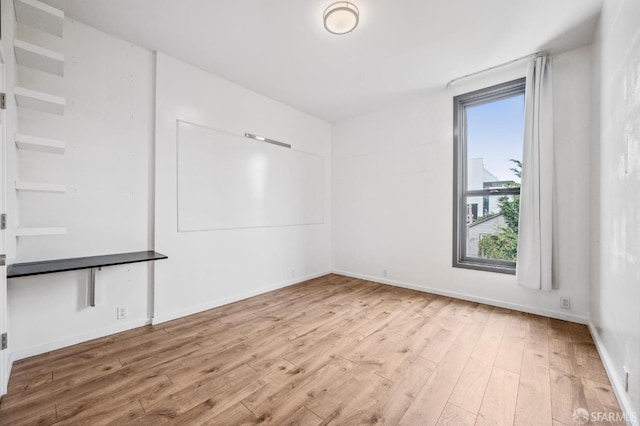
<point x="209" y="268"/>
<point x="615" y="242"/>
<point x="228" y="181"/>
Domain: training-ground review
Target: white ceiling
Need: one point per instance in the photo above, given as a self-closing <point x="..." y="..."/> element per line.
<point x="280" y="49"/>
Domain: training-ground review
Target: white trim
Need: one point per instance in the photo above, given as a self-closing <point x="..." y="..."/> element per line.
<point x="9" y="368"/>
<point x="74" y="340"/>
<point x="514" y="306"/>
<point x="4" y="387"/>
<point x="225" y="301"/>
<point x="618" y="387"/>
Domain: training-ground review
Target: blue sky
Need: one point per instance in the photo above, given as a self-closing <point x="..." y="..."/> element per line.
<point x="495" y="132"/>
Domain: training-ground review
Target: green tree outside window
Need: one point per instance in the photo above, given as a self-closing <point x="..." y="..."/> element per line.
<point x="503" y="245"/>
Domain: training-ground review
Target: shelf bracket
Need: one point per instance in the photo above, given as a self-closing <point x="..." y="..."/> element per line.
<point x="92" y="286"/>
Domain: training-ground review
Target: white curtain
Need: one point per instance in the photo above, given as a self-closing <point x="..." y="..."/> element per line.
<point x="533" y="269"/>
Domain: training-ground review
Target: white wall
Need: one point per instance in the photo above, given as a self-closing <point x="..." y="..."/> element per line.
<point x="108" y="126"/>
<point x="209" y="268"/>
<point x="615" y="243"/>
<point x="392" y="185"/>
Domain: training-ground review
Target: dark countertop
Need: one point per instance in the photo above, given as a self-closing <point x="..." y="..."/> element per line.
<point x="61" y="265"/>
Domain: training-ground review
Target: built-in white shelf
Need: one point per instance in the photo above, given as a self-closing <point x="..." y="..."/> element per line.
<point x="39" y="15"/>
<point x="22" y="185"/>
<point x="32" y="56"/>
<point x="32" y="99"/>
<point x="33" y="143"/>
<point x="33" y="232"/>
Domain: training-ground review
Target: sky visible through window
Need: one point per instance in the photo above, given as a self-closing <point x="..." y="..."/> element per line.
<point x="495" y="132"/>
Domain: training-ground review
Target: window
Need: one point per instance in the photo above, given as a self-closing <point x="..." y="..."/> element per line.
<point x="488" y="131"/>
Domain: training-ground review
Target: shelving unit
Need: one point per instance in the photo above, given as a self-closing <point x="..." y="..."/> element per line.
<point x="42" y="17"/>
<point x="39" y="15"/>
<point x="39" y="101"/>
<point x="40" y="187"/>
<point x="32" y="56"/>
<point x="34" y="232"/>
<point x="37" y="144"/>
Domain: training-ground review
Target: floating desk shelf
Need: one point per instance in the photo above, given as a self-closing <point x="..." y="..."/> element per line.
<point x="32" y="143"/>
<point x="41" y="16"/>
<point x="32" y="99"/>
<point x="62" y="265"/>
<point x="34" y="232"/>
<point x="40" y="187"/>
<point x="32" y="56"/>
<point x="92" y="263"/>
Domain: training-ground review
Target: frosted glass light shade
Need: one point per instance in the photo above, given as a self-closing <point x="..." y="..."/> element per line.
<point x="341" y="17"/>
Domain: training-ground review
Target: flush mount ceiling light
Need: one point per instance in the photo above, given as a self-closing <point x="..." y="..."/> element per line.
<point x="341" y="17"/>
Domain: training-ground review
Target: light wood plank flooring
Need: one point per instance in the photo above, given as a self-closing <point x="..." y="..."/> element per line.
<point x="333" y="350"/>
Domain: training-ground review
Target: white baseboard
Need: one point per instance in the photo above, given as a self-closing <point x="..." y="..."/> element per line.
<point x="471" y="298"/>
<point x="74" y="340"/>
<point x="226" y="300"/>
<point x="616" y="383"/>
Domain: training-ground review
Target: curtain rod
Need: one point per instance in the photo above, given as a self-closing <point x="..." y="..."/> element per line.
<point x="522" y="58"/>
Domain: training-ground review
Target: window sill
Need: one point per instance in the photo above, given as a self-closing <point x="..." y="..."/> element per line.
<point x="478" y="266"/>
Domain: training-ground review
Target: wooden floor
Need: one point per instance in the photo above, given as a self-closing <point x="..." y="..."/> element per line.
<point x="333" y="350"/>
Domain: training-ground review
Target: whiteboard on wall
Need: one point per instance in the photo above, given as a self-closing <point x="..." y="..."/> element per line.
<point x="226" y="181"/>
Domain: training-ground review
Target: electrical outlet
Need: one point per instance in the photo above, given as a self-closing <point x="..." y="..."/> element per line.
<point x="626" y="379"/>
<point x="122" y="312"/>
<point x="565" y="303"/>
<point x="384" y="272"/>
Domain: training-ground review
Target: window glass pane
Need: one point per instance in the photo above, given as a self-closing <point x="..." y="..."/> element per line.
<point x="492" y="227"/>
<point x="489" y="137"/>
<point x="495" y="132"/>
